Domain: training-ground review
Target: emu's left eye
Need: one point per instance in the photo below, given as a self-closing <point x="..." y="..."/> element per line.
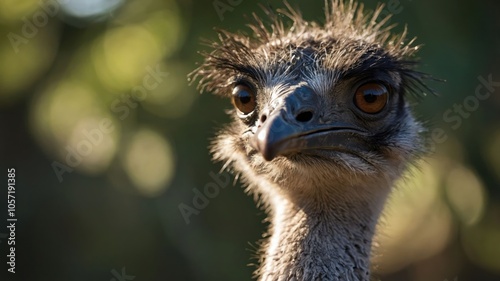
<point x="243" y="98"/>
<point x="371" y="97"/>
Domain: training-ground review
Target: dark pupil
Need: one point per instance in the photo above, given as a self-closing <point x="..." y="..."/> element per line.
<point x="371" y="96"/>
<point x="245" y="97"/>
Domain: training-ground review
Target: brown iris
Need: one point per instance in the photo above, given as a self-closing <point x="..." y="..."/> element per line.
<point x="243" y="98"/>
<point x="371" y="97"/>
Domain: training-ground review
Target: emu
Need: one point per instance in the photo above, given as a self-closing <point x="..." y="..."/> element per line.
<point x="321" y="128"/>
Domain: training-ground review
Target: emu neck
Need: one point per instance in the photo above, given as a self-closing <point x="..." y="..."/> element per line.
<point x="332" y="242"/>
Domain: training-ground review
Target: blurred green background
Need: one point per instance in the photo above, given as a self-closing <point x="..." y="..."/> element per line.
<point x="100" y="176"/>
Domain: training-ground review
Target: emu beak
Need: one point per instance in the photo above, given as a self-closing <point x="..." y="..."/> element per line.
<point x="284" y="133"/>
<point x="275" y="137"/>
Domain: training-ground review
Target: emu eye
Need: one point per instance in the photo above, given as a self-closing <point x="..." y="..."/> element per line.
<point x="371" y="97"/>
<point x="243" y="98"/>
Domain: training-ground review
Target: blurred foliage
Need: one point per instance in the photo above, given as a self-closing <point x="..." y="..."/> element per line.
<point x="108" y="139"/>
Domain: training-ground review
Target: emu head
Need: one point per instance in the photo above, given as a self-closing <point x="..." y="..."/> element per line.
<point x="319" y="110"/>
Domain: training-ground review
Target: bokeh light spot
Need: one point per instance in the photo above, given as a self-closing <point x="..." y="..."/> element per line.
<point x="121" y="56"/>
<point x="167" y="28"/>
<point x="95" y="142"/>
<point x="466" y="194"/>
<point x="68" y="119"/>
<point x="149" y="162"/>
<point x="89" y="8"/>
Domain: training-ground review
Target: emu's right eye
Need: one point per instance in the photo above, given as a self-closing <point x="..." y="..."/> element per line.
<point x="243" y="98"/>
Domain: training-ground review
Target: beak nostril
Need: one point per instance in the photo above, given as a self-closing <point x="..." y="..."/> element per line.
<point x="304" y="116"/>
<point x="263" y="118"/>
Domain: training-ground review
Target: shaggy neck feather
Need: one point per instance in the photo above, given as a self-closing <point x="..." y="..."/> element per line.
<point x="326" y="243"/>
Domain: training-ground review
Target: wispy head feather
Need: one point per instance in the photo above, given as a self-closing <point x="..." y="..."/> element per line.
<point x="350" y="39"/>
